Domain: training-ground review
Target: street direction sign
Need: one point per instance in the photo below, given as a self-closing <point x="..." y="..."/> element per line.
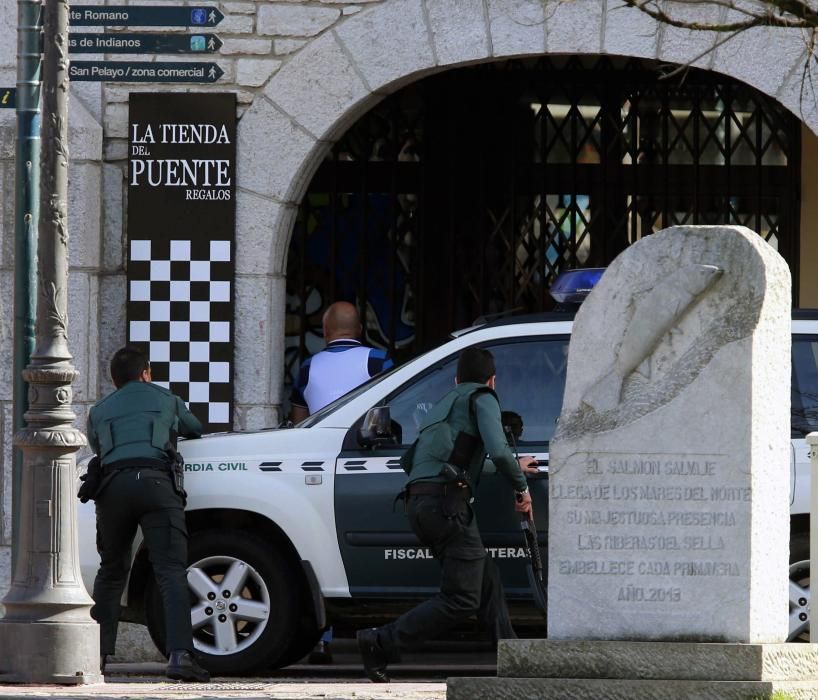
<point x="8" y="98"/>
<point x="144" y="16"/>
<point x="143" y="43"/>
<point x="144" y="72"/>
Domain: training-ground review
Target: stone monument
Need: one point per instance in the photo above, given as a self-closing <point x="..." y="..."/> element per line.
<point x="669" y="476"/>
<point x="669" y="484"/>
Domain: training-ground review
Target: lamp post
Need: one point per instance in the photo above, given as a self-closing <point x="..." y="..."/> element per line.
<point x="47" y="635"/>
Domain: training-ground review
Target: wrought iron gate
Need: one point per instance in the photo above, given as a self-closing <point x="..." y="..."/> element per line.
<point x="466" y="193"/>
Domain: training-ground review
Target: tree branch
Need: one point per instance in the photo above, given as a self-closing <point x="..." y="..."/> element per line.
<point x="790" y="14"/>
<point x="723" y="40"/>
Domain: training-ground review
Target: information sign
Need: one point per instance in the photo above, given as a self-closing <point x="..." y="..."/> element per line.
<point x="144" y="16"/>
<point x="143" y="43"/>
<point x="144" y="72"/>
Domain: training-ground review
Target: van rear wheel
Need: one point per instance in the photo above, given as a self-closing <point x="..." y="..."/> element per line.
<point x="799" y="589"/>
<point x="243" y="602"/>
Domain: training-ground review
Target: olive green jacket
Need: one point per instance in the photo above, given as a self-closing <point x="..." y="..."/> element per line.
<point x="434" y="445"/>
<point x="136" y="422"/>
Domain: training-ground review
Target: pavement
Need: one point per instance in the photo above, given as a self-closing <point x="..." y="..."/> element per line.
<point x="144" y="681"/>
<point x="119" y="688"/>
<point x="419" y="677"/>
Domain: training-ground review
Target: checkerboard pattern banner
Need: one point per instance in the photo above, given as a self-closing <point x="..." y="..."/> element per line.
<point x="182" y="243"/>
<point x="181" y="311"/>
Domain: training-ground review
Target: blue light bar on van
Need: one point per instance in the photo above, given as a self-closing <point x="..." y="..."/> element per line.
<point x="572" y="286"/>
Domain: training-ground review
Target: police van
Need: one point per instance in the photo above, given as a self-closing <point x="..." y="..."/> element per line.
<point x="295" y="529"/>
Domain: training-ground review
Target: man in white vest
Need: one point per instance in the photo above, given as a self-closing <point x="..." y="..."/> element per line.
<point x="344" y="364"/>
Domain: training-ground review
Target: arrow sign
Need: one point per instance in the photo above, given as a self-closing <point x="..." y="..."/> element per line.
<point x="143" y="43"/>
<point x="143" y="72"/>
<point x="144" y="16"/>
<point x="8" y="98"/>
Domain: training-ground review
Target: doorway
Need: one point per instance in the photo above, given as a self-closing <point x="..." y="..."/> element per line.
<point x="463" y="195"/>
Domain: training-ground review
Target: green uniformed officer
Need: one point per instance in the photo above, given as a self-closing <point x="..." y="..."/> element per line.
<point x="131" y="430"/>
<point x="445" y="467"/>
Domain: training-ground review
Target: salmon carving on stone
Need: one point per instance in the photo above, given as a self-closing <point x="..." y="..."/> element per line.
<point x="657" y="313"/>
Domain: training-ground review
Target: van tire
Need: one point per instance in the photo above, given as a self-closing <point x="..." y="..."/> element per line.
<point x="306" y="637"/>
<point x="235" y="632"/>
<point x="799" y="590"/>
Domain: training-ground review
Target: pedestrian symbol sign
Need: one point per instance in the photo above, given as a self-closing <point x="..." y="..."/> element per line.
<point x="144" y="72"/>
<point x="122" y="42"/>
<point x="144" y="16"/>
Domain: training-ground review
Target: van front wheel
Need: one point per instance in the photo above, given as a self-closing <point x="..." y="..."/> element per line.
<point x="243" y="602"/>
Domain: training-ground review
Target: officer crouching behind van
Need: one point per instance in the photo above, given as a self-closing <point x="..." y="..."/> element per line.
<point x="444" y="466"/>
<point x="133" y="431"/>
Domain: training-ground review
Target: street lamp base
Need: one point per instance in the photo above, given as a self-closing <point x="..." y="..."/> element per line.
<point x="64" y="653"/>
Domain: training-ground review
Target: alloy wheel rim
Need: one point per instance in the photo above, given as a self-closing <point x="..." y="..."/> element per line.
<point x="231" y="606"/>
<point x="799" y="602"/>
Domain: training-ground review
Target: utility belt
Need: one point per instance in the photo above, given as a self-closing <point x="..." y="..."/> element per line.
<point x="161" y="465"/>
<point x="450" y="493"/>
<point x="174" y="466"/>
<point x="109" y="471"/>
<point x="97" y="478"/>
<point x="434" y="488"/>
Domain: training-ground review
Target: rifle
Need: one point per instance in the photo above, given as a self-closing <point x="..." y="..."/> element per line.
<point x="534" y="568"/>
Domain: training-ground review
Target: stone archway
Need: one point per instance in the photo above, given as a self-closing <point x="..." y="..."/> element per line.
<point x="337" y="77"/>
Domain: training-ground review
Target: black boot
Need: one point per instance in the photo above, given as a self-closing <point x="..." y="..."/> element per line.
<point x="375" y="658"/>
<point x="182" y="666"/>
<point x="103" y="662"/>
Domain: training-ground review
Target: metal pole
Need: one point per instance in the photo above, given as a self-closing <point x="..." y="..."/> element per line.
<point x="26" y="214"/>
<point x="47" y="635"/>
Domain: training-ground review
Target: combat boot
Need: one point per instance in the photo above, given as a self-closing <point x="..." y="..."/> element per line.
<point x="375" y="658"/>
<point x="182" y="666"/>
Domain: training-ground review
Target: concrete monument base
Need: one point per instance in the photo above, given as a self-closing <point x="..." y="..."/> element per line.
<point x="49" y="652"/>
<point x="610" y="670"/>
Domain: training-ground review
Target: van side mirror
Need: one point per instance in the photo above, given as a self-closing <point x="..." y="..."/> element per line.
<point x="376" y="430"/>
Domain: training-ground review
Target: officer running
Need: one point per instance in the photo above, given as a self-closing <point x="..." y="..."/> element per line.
<point x="133" y="431"/>
<point x="443" y="470"/>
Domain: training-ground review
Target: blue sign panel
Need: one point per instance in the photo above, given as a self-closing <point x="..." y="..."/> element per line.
<point x="144" y="16"/>
<point x="143" y="43"/>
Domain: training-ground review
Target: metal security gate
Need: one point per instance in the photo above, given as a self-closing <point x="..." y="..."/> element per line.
<point x="466" y="194"/>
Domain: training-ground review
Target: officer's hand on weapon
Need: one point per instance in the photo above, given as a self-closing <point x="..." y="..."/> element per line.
<point x="523" y="503"/>
<point x="528" y="465"/>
